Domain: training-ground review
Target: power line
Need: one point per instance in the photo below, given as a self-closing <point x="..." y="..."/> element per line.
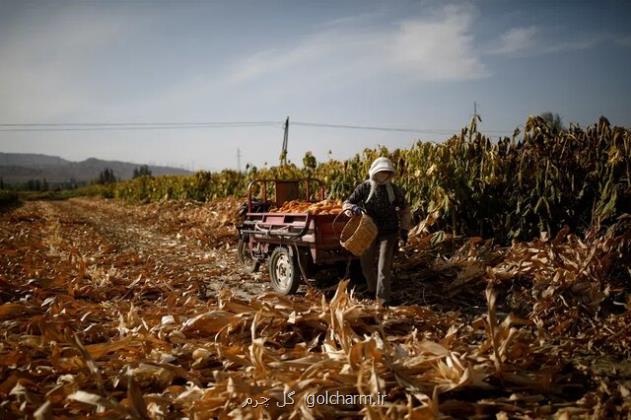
<point x="126" y="126"/>
<point x="405" y="130"/>
<point x="363" y="127"/>
<point x="122" y="126"/>
<point x="133" y="124"/>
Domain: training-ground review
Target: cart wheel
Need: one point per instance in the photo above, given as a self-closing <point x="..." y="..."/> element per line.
<point x="251" y="265"/>
<point x="283" y="271"/>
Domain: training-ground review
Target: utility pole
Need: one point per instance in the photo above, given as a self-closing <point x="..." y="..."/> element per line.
<point x="475" y="110"/>
<point x="239" y="160"/>
<point x="283" y="153"/>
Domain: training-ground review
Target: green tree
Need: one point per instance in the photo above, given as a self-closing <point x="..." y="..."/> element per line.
<point x="33" y="185"/>
<point x="309" y="162"/>
<point x="142" y="170"/>
<point x="106" y="177"/>
<point x="250" y="169"/>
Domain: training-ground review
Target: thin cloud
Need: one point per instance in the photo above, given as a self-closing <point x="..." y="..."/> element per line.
<point x="439" y="48"/>
<point x="516" y="40"/>
<point x="354" y="20"/>
<point x="436" y="47"/>
<point x="575" y="45"/>
<point x="531" y="41"/>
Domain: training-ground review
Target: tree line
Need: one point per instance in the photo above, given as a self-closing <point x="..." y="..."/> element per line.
<point x="106" y="176"/>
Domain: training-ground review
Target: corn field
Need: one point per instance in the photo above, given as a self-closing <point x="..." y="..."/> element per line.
<point x="514" y="188"/>
<point x="144" y="310"/>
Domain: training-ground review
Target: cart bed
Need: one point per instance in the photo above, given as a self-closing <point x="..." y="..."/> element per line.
<point x="319" y="232"/>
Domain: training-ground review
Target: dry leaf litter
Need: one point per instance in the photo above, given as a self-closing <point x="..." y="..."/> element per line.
<point x="141" y="311"/>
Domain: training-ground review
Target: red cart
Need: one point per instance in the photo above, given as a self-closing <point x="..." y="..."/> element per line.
<point x="295" y="245"/>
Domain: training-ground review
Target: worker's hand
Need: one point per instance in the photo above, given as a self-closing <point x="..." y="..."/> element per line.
<point x="356" y="210"/>
<point x="404" y="236"/>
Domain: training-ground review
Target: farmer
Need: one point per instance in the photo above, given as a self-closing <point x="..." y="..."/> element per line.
<point x="385" y="203"/>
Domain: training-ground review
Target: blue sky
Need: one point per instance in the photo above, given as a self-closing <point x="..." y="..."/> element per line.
<point x="417" y="64"/>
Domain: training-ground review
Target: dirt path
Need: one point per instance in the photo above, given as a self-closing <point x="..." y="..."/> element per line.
<point x="144" y="244"/>
<point x="107" y="234"/>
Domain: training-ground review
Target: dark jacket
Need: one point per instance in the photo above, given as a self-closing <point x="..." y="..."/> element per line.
<point x="389" y="217"/>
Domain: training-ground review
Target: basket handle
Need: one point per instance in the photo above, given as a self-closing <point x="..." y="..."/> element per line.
<point x="335" y="221"/>
<point x="349" y="215"/>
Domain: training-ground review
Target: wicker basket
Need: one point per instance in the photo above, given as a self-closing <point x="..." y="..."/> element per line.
<point x="358" y="234"/>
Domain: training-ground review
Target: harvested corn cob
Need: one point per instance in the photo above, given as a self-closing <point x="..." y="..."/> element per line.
<point x="321" y="207"/>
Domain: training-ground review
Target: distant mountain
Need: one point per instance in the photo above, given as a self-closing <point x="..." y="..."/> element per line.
<point x="21" y="167"/>
<point x="30" y="160"/>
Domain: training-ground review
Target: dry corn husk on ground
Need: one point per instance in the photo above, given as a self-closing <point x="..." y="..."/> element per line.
<point x="101" y="316"/>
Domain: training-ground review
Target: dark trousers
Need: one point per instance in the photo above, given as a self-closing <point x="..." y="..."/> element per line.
<point x="376" y="265"/>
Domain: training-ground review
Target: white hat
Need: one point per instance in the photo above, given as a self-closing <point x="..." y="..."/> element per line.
<point x="382" y="164"/>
